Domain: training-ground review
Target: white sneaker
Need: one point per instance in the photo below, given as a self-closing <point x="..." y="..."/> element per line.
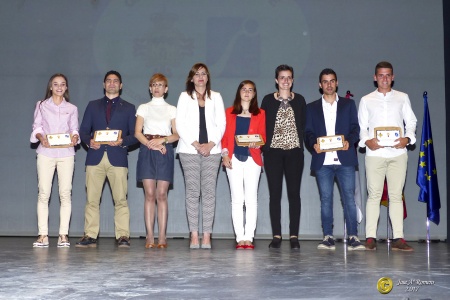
<point x="63" y="241"/>
<point x="41" y="242"/>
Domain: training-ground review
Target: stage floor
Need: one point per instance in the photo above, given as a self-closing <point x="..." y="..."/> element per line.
<point x="107" y="272"/>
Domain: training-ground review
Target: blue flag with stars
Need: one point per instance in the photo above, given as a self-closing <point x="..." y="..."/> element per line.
<point x="426" y="169"/>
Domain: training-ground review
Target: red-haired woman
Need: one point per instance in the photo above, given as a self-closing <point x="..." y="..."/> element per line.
<point x="156" y="130"/>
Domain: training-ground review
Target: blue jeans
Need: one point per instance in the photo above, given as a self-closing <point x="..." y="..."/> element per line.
<point x="345" y="176"/>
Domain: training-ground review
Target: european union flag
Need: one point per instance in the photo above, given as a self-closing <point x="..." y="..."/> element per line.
<point x="426" y="169"/>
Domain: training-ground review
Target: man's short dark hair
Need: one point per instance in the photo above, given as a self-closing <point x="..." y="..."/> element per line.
<point x="327" y="71"/>
<point x="112" y="72"/>
<point x="384" y="65"/>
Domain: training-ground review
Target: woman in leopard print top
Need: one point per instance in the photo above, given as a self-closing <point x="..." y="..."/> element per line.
<point x="283" y="152"/>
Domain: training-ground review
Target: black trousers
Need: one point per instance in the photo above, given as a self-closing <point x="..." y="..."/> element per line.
<point x="290" y="163"/>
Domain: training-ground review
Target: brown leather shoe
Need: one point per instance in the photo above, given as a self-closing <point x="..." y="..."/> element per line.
<point x="162" y="246"/>
<point x="123" y="242"/>
<point x="371" y="244"/>
<point x="401" y="245"/>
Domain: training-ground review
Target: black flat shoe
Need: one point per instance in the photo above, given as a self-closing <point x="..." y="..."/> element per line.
<point x="276" y="243"/>
<point x="294" y="243"/>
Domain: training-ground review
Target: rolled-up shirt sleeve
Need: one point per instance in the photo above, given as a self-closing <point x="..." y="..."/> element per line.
<point x="38" y="127"/>
<point x="73" y="124"/>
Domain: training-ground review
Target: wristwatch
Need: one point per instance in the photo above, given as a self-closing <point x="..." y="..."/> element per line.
<point x="409" y="140"/>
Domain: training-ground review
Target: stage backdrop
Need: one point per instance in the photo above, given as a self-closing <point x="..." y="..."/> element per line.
<point x="237" y="40"/>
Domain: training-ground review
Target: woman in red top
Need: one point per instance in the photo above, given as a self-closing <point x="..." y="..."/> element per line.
<point x="243" y="164"/>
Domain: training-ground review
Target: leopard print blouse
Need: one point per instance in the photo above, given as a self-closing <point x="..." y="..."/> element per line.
<point x="285" y="135"/>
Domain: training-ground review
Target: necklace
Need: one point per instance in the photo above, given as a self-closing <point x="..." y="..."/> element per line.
<point x="279" y="98"/>
<point x="284" y="102"/>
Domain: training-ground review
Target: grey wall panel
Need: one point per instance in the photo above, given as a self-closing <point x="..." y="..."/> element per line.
<point x="238" y="40"/>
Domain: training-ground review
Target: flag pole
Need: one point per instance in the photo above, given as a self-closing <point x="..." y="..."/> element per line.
<point x="345" y="232"/>
<point x="425" y="96"/>
<point x="348" y="95"/>
<point x="429" y="240"/>
<point x="388" y="231"/>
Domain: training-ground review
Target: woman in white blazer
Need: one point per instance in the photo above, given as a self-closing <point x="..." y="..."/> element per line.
<point x="200" y="123"/>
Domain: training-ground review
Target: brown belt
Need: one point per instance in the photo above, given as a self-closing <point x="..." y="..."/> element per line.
<point x="154" y="136"/>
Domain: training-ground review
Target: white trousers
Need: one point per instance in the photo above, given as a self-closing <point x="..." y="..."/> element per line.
<point x="46" y="170"/>
<point x="244" y="180"/>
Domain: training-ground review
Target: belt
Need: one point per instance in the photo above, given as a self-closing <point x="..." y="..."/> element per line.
<point x="154" y="136"/>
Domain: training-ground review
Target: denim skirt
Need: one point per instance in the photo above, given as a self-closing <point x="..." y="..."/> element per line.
<point x="152" y="164"/>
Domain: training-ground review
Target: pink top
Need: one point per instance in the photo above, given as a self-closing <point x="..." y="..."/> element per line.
<point x="50" y="118"/>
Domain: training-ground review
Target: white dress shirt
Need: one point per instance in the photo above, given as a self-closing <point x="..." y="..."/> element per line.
<point x="329" y="114"/>
<point x="392" y="110"/>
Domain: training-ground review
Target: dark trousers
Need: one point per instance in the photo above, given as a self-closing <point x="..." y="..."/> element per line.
<point x="290" y="163"/>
